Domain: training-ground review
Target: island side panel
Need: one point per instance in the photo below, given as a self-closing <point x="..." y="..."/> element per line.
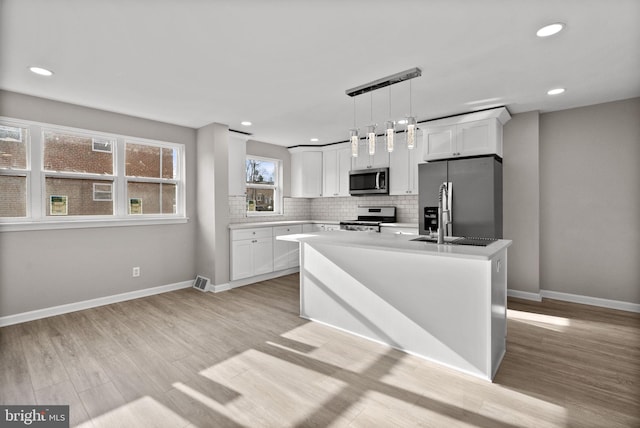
<point x="498" y="309"/>
<point x="432" y="306"/>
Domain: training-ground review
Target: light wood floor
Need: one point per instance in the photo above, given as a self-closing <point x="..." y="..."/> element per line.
<point x="245" y="358"/>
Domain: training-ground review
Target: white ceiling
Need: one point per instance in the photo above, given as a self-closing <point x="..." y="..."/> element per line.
<point x="285" y="64"/>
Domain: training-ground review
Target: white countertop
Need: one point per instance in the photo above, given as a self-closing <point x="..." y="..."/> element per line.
<point x="398" y="243"/>
<point x="292" y="222"/>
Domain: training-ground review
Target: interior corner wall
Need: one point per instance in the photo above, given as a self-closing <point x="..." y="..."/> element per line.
<point x="212" y="244"/>
<point x="590" y="201"/>
<point x="44" y="268"/>
<point x="257" y="148"/>
<point x="521" y="200"/>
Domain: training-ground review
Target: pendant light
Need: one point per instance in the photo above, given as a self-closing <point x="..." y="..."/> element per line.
<point x="411" y="125"/>
<point x="353" y="133"/>
<point x="390" y="124"/>
<point x="371" y="132"/>
<point x="390" y="128"/>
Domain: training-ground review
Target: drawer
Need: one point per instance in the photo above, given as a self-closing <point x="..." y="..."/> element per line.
<point x="287" y="230"/>
<point x="253" y="233"/>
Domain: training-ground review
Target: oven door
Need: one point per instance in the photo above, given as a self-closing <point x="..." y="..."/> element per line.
<point x="368" y="181"/>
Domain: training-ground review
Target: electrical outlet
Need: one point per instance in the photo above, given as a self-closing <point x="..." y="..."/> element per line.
<point x="136" y="272"/>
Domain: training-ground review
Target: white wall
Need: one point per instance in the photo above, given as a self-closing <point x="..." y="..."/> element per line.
<point x="590" y="201"/>
<point x="41" y="269"/>
<point x="521" y="201"/>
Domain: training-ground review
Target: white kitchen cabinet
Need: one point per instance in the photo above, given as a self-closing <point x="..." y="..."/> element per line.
<point x="306" y="172"/>
<point x="286" y="254"/>
<point x="364" y="160"/>
<point x="336" y="164"/>
<point x="251" y="252"/>
<point x="403" y="168"/>
<point x="474" y="134"/>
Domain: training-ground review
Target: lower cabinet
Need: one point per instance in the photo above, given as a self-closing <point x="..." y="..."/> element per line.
<point x="286" y="255"/>
<point x="251" y="252"/>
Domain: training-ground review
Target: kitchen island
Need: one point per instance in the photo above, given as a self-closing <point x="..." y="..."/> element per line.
<point x="442" y="302"/>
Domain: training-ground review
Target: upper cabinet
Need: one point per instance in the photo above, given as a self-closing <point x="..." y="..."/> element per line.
<point x="472" y="134"/>
<point x="403" y="167"/>
<point x="378" y="160"/>
<point x="336" y="164"/>
<point x="306" y="172"/>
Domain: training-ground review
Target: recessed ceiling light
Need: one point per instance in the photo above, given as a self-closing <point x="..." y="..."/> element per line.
<point x="556" y="91"/>
<point x="550" y="30"/>
<point x="41" y="71"/>
<point x="315" y="140"/>
<point x="245" y="123"/>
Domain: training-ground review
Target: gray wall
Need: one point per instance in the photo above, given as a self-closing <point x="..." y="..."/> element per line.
<point x="212" y="240"/>
<point x="266" y="150"/>
<point x="590" y="201"/>
<point x="521" y="201"/>
<point x="40" y="269"/>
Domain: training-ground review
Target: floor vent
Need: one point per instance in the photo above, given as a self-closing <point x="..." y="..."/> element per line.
<point x="201" y="283"/>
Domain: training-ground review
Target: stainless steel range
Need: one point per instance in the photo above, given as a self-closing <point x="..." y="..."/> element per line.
<point x="369" y="219"/>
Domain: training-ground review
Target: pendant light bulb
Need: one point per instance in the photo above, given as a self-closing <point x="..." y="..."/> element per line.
<point x="390" y="134"/>
<point x="371" y="138"/>
<point x="354" y="138"/>
<point x="411" y="132"/>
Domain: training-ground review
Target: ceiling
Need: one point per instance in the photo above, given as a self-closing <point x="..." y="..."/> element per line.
<point x="285" y="65"/>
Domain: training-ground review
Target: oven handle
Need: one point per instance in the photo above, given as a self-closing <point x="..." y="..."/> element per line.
<point x="377" y="180"/>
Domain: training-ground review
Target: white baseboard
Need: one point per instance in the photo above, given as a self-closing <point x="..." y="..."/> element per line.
<point x="524" y="295"/>
<point x="87" y="304"/>
<point x="575" y="298"/>
<point x="593" y="301"/>
<point x="254" y="279"/>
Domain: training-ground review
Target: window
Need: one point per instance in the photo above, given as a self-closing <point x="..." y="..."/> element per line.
<point x="101" y="145"/>
<point x="72" y="168"/>
<point x="151" y="178"/>
<point x="14" y="170"/>
<point x="263" y="185"/>
<point x="53" y="174"/>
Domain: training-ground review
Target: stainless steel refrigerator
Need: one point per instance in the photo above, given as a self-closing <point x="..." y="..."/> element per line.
<point x="475" y="194"/>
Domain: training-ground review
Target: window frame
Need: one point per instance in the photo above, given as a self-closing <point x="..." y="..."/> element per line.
<point x="277" y="187"/>
<point x="36" y="218"/>
<point x="19" y="172"/>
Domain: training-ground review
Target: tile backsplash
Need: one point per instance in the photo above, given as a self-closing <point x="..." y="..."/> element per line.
<point x="329" y="209"/>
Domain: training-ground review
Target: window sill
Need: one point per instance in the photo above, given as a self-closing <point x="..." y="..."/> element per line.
<point x="18" y="226"/>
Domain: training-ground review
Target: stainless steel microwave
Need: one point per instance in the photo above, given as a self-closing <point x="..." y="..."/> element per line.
<point x="369" y="181"/>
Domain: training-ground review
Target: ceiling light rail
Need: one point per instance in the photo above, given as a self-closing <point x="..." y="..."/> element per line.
<point x="385" y="81"/>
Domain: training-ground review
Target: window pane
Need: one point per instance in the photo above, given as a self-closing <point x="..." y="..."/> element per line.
<point x="142" y="161"/>
<point x="151" y="198"/>
<point x="75" y="153"/>
<point x="13" y="147"/>
<point x="260" y="199"/>
<point x="13" y="194"/>
<point x="169" y="163"/>
<point x="79" y="197"/>
<point x="260" y="171"/>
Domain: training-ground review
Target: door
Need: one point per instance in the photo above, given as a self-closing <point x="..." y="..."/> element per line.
<point x="431" y="176"/>
<point x="474" y="199"/>
<point x="242" y="259"/>
<point x="440" y="142"/>
<point x="262" y="256"/>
